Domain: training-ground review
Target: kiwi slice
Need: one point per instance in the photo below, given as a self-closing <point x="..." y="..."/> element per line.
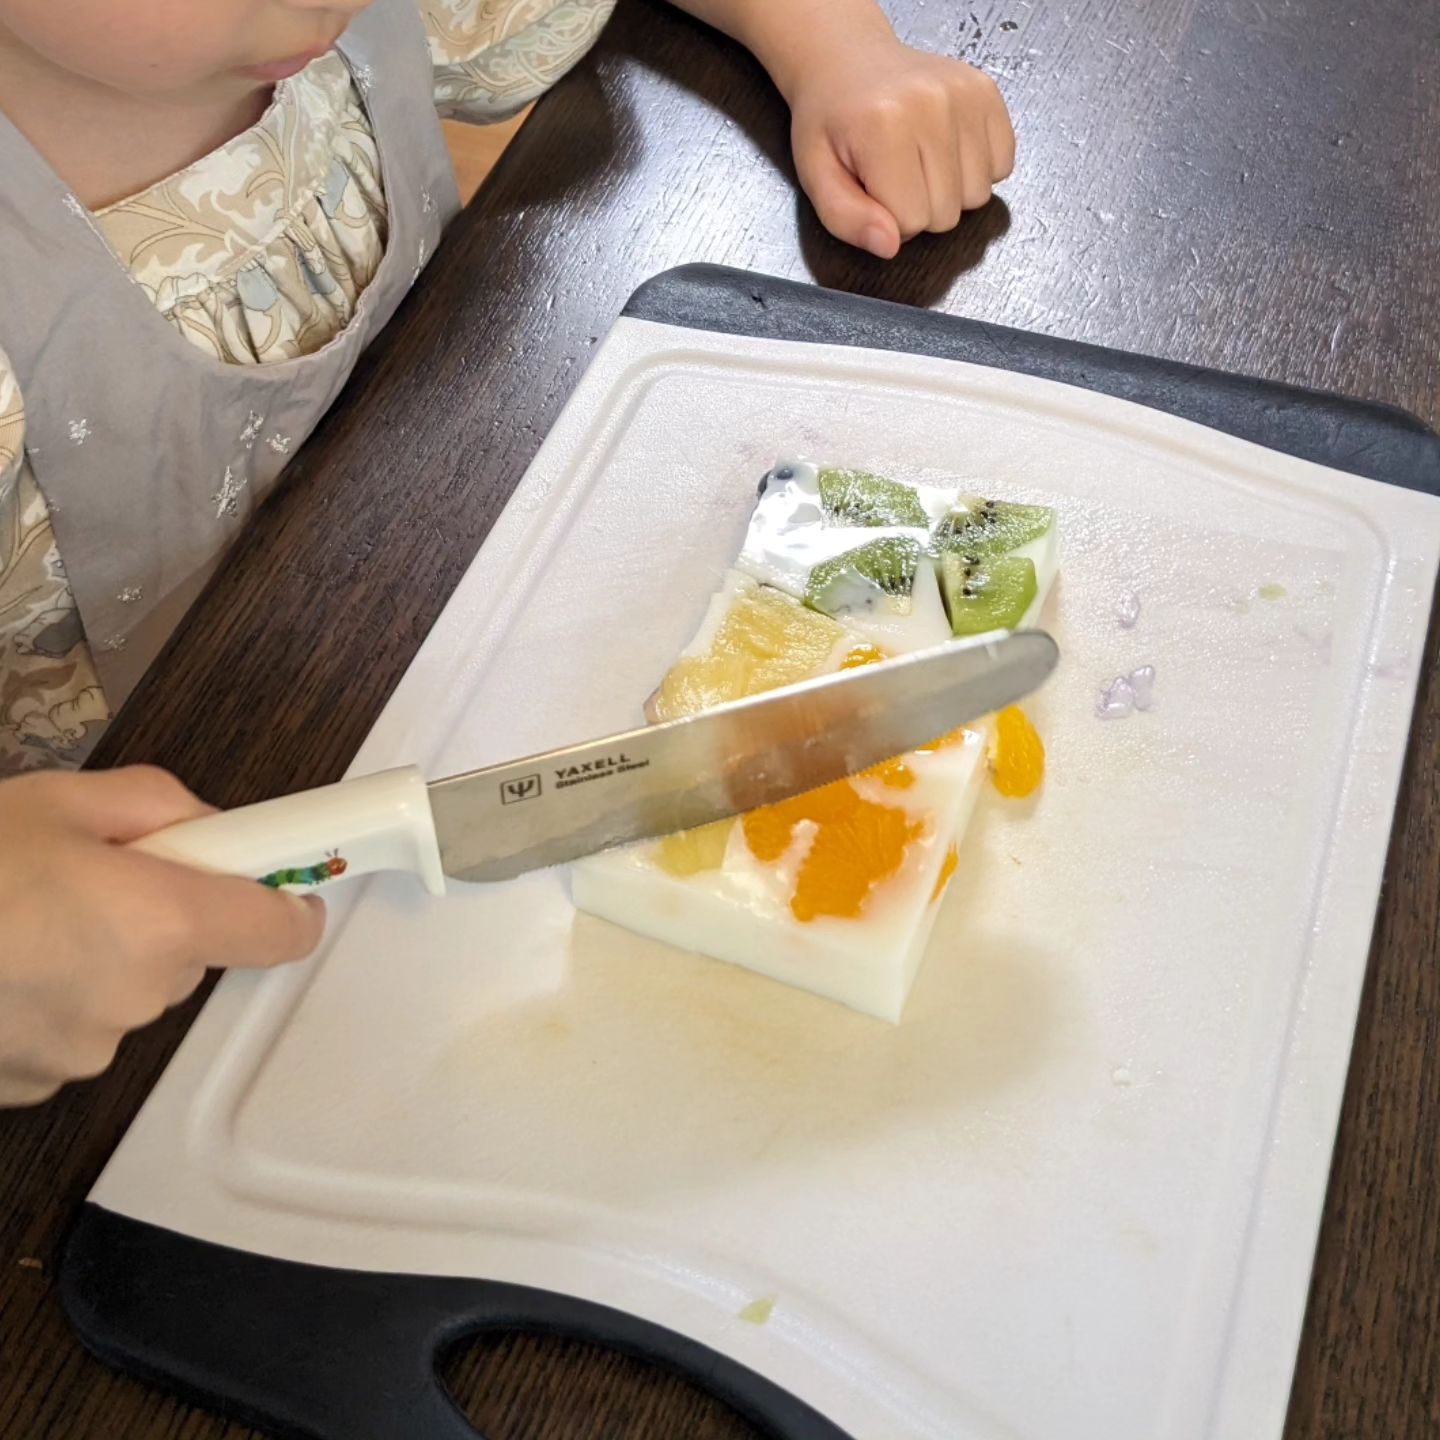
<point x="990" y="527"/>
<point x="854" y="497"/>
<point x="986" y="593"/>
<point x="879" y="577"/>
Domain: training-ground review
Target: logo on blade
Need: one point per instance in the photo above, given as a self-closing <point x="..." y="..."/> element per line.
<point x="604" y="768"/>
<point x="527" y="787"/>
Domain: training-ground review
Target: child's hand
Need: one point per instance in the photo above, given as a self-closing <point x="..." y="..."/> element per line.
<point x="97" y="940"/>
<point x="890" y="141"/>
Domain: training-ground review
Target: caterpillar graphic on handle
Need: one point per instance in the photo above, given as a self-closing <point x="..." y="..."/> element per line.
<point x="332" y="867"/>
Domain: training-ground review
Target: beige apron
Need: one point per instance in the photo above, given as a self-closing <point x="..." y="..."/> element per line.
<point x="151" y="454"/>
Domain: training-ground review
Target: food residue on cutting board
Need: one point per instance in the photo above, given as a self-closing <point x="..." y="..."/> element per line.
<point x="1125" y="694"/>
<point x="836" y="891"/>
<point x="758" y="1312"/>
<point x="1270" y="592"/>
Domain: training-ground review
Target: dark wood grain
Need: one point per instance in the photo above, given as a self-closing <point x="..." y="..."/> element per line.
<point x="1252" y="184"/>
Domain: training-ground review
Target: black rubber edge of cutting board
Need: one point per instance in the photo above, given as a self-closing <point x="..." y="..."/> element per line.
<point x="307" y="1352"/>
<point x="326" y="1354"/>
<point x="1379" y="442"/>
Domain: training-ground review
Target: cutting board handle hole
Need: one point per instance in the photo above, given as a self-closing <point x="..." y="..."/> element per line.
<point x="504" y="1380"/>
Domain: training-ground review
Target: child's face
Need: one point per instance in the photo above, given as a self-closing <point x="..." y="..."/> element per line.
<point x="186" y="50"/>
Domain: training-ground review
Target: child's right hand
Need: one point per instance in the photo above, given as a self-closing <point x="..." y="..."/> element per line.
<point x="99" y="940"/>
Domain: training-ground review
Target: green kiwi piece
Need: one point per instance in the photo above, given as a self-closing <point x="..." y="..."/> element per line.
<point x="879" y="576"/>
<point x="992" y="593"/>
<point x="854" y="497"/>
<point x="990" y="527"/>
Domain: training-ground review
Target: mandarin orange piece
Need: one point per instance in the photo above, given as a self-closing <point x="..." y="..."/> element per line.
<point x="768" y="831"/>
<point x="1018" y="763"/>
<point x="862" y="655"/>
<point x="848" y="858"/>
<point x="894" y="773"/>
<point x="947" y="869"/>
<point x="831" y="803"/>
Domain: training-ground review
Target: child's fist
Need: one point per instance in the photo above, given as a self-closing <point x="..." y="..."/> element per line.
<point x="98" y="939"/>
<point x="890" y="141"/>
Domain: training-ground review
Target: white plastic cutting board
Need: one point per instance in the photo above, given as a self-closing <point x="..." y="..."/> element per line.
<point x="1076" y="1192"/>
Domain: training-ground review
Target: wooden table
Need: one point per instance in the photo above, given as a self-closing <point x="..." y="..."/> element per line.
<point x="1253" y="184"/>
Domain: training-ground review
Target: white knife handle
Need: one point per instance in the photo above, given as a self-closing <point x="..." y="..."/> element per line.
<point x="299" y="842"/>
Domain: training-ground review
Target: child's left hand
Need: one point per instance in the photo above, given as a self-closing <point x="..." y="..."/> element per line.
<point x="890" y="141"/>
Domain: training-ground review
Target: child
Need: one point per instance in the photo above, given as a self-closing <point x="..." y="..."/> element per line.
<point x="206" y="213"/>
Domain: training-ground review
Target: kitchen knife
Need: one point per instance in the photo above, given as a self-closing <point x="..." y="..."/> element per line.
<point x="501" y="821"/>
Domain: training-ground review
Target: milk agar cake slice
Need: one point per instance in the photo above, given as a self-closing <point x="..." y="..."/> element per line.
<point x="902" y="566"/>
<point x="837" y="891"/>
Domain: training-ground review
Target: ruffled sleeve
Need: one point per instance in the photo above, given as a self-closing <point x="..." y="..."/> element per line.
<point x="493" y="57"/>
<point x="52" y="709"/>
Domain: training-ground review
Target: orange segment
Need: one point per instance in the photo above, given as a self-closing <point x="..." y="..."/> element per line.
<point x="1018" y="762"/>
<point x="952" y="860"/>
<point x="862" y="655"/>
<point x="857" y="844"/>
<point x="769" y="830"/>
<point x="849" y="858"/>
<point x="894" y="773"/>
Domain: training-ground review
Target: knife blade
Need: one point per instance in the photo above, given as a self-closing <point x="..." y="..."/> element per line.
<point x="499" y="822"/>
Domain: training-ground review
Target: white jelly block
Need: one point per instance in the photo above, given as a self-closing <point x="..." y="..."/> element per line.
<point x="741" y="913"/>
<point x="923" y="626"/>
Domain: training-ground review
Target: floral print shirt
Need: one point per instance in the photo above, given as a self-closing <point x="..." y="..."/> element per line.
<point x="256" y="254"/>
